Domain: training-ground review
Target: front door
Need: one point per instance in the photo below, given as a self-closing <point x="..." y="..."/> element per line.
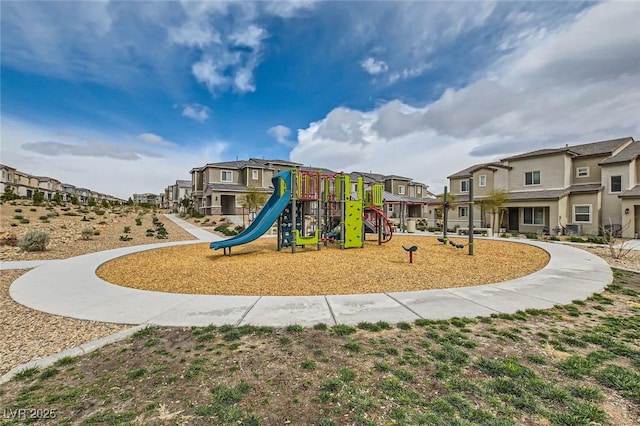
<point x="514" y="219"/>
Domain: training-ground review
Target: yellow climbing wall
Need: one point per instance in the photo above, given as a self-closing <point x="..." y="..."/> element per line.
<point x="353" y="224"/>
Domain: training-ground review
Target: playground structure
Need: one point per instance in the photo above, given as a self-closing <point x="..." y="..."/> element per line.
<point x="312" y="208"/>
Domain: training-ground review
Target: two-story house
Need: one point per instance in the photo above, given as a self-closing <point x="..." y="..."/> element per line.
<point x="217" y="187"/>
<point x="175" y="194"/>
<point x="579" y="189"/>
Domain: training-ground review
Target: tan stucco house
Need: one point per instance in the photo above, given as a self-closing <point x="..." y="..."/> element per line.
<point x="578" y="189"/>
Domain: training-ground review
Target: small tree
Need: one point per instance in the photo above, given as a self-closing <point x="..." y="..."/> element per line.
<point x="91" y="202"/>
<point x="439" y="211"/>
<point x="618" y="248"/>
<point x="9" y="195"/>
<point x="186" y="202"/>
<point x="105" y="204"/>
<point x="494" y="203"/>
<point x="38" y="198"/>
<point x="57" y="198"/>
<point x="252" y="200"/>
<point x="74" y="200"/>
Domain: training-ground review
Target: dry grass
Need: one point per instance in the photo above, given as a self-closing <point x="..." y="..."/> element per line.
<point x="258" y="269"/>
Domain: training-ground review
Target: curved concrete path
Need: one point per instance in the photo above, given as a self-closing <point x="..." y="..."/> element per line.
<point x="71" y="288"/>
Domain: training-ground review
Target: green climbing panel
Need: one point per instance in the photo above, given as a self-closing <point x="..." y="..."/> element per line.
<point x="353" y="224"/>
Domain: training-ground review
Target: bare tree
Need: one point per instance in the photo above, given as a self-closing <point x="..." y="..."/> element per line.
<point x="618" y="247"/>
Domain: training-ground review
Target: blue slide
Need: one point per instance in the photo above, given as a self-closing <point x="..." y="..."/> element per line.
<point x="269" y="214"/>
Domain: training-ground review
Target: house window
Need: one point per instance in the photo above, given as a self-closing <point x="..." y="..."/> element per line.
<point x="482" y="180"/>
<point x="464" y="186"/>
<point x="418" y="190"/>
<point x="226" y="176"/>
<point x="534" y="215"/>
<point x="532" y="178"/>
<point x="582" y="172"/>
<point x="254" y="174"/>
<point x="400" y="189"/>
<point x="616" y="183"/>
<point x="582" y="213"/>
<point x="463" y="211"/>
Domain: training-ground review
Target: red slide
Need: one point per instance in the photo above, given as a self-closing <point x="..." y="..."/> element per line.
<point x="387" y="227"/>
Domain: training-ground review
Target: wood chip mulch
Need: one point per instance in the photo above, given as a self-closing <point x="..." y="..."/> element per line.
<point x="258" y="269"/>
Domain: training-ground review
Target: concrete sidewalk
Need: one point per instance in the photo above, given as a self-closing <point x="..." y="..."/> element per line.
<point x="194" y="230"/>
<point x="71" y="288"/>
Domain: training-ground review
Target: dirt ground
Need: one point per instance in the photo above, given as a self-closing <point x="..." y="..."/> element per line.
<point x="258" y="269"/>
<point x="64" y="224"/>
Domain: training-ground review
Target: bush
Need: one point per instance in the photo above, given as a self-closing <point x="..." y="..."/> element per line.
<point x="99" y="212"/>
<point x="577" y="240"/>
<point x="531" y="235"/>
<point x="138" y="221"/>
<point x="34" y="241"/>
<point x="87" y="233"/>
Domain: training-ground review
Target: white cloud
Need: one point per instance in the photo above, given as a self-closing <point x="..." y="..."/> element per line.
<point x="549" y="93"/>
<point x="193" y="34"/>
<point x="281" y="134"/>
<point x="374" y="67"/>
<point x="251" y="37"/>
<point x="154" y="139"/>
<point x="197" y="112"/>
<point x="98" y="161"/>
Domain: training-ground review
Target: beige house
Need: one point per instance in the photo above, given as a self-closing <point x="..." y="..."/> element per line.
<point x="25" y="185"/>
<point x="578" y="189"/>
<point x="174" y="194"/>
<point x="403" y="197"/>
<point x="217" y="187"/>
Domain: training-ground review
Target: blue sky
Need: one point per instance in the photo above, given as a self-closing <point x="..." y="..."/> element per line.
<point x="125" y="97"/>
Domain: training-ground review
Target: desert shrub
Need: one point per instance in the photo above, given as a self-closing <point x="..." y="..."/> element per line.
<point x="96" y="232"/>
<point x="138" y="221"/>
<point x="577" y="240"/>
<point x="18" y="217"/>
<point x="99" y="212"/>
<point x="87" y="233"/>
<point x="126" y="229"/>
<point x="554" y="238"/>
<point x="34" y="241"/>
<point x="18" y="210"/>
<point x="24" y="221"/>
<point x="52" y="214"/>
<point x="531" y="235"/>
<point x="44" y="218"/>
<point x="33" y="210"/>
<point x="597" y="240"/>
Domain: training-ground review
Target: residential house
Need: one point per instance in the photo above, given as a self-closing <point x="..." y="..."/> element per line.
<point x="217" y="187"/>
<point x="578" y="189"/>
<point x="403" y="197"/>
<point x="25" y="185"/>
<point x="177" y="192"/>
<point x="146" y="198"/>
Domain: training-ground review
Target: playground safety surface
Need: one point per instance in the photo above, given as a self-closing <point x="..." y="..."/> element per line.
<point x="258" y="269"/>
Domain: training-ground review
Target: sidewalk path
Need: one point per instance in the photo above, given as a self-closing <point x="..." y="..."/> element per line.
<point x="71" y="288"/>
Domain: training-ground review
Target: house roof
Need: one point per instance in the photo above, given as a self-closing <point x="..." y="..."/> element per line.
<point x="584" y="150"/>
<point x="470" y="170"/>
<point x="629" y="153"/>
<point x="183" y="183"/>
<point x="631" y="193"/>
<point x="279" y="162"/>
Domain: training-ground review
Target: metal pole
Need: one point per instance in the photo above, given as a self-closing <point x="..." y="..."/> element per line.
<point x="343" y="213"/>
<point x="445" y="212"/>
<point x="471" y="203"/>
<point x="319" y="212"/>
<point x="294" y="213"/>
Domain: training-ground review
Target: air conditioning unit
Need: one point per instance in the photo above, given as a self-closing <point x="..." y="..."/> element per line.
<point x="574" y="229"/>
